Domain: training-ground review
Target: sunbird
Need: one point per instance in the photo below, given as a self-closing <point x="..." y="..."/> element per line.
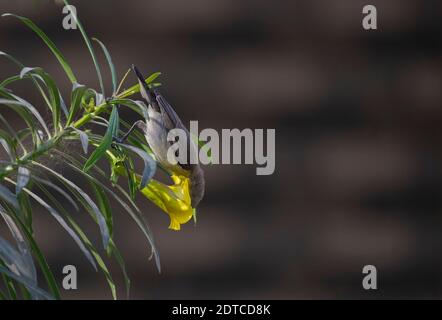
<point x="160" y="119"/>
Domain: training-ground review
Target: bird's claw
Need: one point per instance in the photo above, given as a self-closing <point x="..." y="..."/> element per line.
<point x="117" y="140"/>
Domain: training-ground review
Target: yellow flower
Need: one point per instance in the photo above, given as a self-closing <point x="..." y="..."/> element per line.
<point x="174" y="200"/>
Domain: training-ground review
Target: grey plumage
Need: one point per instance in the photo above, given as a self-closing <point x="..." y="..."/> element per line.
<point x="161" y="119"/>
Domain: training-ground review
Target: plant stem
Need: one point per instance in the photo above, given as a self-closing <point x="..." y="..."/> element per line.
<point x="103" y="107"/>
<point x="50" y="143"/>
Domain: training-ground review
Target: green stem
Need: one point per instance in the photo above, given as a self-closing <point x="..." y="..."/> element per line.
<point x="104" y="106"/>
<point x="49" y="144"/>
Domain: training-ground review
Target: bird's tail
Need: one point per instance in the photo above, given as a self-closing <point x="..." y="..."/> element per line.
<point x="143" y="85"/>
<point x="197" y="184"/>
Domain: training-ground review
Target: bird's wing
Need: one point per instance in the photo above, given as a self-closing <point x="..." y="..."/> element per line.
<point x="144" y="89"/>
<point x="171" y="119"/>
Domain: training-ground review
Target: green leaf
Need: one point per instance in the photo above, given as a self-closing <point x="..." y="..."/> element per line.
<point x="122" y="81"/>
<point x="130" y="171"/>
<point x="121" y="263"/>
<point x="49" y="276"/>
<point x="25" y="292"/>
<point x="9" y="284"/>
<point x="40" y="293"/>
<point x="26" y="210"/>
<point x="97" y="257"/>
<point x="84" y="139"/>
<point x="136" y="105"/>
<point x="63" y="106"/>
<point x="77" y="93"/>
<point x="105" y="144"/>
<point x="17" y="138"/>
<point x="58" y="189"/>
<point x="21" y="244"/>
<point x="7" y="147"/>
<point x="150" y="164"/>
<point x="111" y="65"/>
<point x="2" y="295"/>
<point x="14" y="60"/>
<point x="10" y="80"/>
<point x="19" y="102"/>
<point x="54" y="94"/>
<point x="92" y="98"/>
<point x="103" y="203"/>
<point x="8" y="144"/>
<point x="13" y="259"/>
<point x="62" y="222"/>
<point x="87" y="242"/>
<point x="91" y="50"/>
<point x="153" y="77"/>
<point x="23" y="176"/>
<point x="136" y="88"/>
<point x="61" y="59"/>
<point x="136" y="216"/>
<point x="18" y="264"/>
<point x="97" y="213"/>
<point x="33" y="77"/>
<point x="9" y="197"/>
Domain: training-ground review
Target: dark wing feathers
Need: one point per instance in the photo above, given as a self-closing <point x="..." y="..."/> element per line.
<point x="144" y="89"/>
<point x="171" y="120"/>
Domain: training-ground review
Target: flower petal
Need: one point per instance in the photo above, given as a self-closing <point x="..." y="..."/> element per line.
<point x="174" y="200"/>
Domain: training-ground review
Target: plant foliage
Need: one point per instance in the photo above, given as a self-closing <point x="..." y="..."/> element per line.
<point x="27" y="181"/>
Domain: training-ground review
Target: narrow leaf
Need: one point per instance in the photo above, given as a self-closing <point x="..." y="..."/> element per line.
<point x="9" y="197"/>
<point x="86" y="241"/>
<point x="17" y="139"/>
<point x="122" y="264"/>
<point x="106" y="142"/>
<point x="84" y="139"/>
<point x="62" y="222"/>
<point x="6" y="144"/>
<point x="13" y="259"/>
<point x="31" y="287"/>
<point x="104" y="205"/>
<point x="136" y="105"/>
<point x="48" y="42"/>
<point x="33" y="77"/>
<point x="49" y="276"/>
<point x="77" y="93"/>
<point x="23" y="177"/>
<point x="111" y="64"/>
<point x="21" y="243"/>
<point x="153" y="77"/>
<point x="136" y="216"/>
<point x="54" y="94"/>
<point x="149" y="164"/>
<point x="91" y="50"/>
<point x="58" y="189"/>
<point x="99" y="216"/>
<point x="23" y="103"/>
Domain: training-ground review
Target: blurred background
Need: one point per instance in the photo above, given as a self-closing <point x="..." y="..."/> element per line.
<point x="358" y="128"/>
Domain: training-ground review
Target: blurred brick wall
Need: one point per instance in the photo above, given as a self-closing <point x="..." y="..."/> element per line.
<point x="358" y="130"/>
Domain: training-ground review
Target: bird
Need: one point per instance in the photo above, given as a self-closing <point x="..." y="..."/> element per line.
<point x="159" y="120"/>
